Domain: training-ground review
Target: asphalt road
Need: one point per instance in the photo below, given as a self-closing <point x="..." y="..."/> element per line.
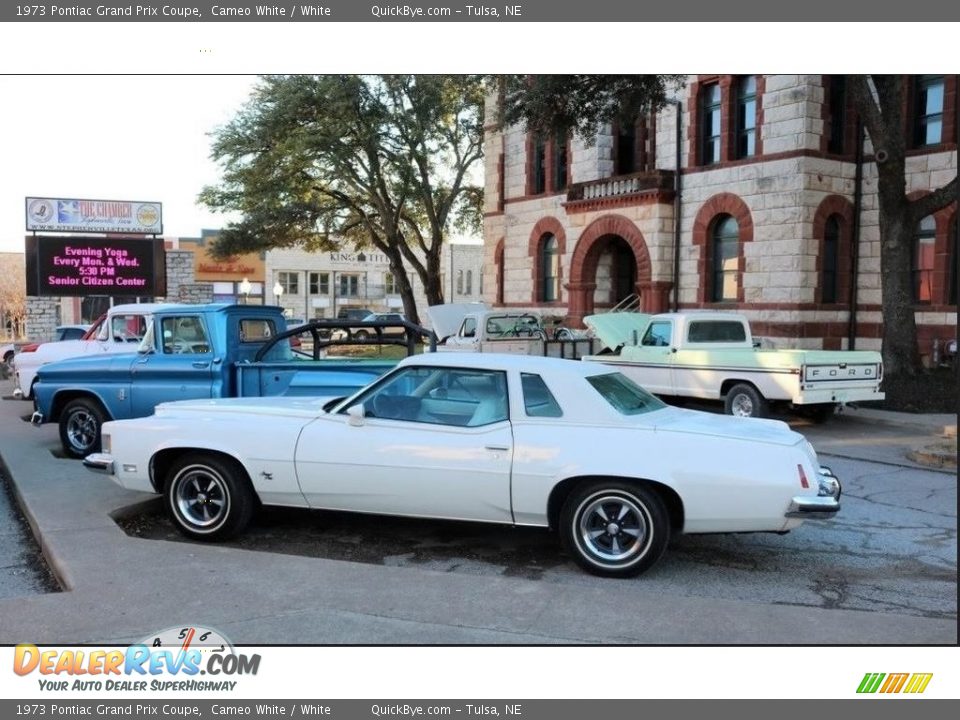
<point x="890" y="554"/>
<point x="893" y="548"/>
<point x="23" y="571"/>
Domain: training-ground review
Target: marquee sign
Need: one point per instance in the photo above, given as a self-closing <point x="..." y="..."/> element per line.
<point x="68" y="266"/>
<point x="93" y="216"/>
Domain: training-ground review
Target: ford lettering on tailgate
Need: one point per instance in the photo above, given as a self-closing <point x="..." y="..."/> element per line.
<point x="839" y="371"/>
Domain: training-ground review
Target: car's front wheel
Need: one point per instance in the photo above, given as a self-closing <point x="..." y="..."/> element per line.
<point x="80" y="424"/>
<point x="208" y="497"/>
<point x="614" y="529"/>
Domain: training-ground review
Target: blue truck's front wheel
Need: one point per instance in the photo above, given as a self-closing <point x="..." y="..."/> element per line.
<point x="80" y="424"/>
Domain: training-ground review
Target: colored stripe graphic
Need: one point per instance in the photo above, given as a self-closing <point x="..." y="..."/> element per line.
<point x="918" y="682"/>
<point x="895" y="682"/>
<point x="870" y="682"/>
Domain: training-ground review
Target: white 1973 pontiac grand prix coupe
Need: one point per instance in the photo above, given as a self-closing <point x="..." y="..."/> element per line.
<point x="491" y="438"/>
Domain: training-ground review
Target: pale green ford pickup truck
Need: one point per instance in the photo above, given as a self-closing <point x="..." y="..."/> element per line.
<point x="712" y="355"/>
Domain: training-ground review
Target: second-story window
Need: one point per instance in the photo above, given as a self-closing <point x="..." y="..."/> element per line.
<point x="319" y="283"/>
<point x="928" y="111"/>
<point x="923" y="254"/>
<point x="710" y="124"/>
<point x="559" y="163"/>
<point x="625" y="151"/>
<point x="550" y="269"/>
<point x="290" y="282"/>
<point x="747" y="116"/>
<point x="726" y="257"/>
<point x="829" y="277"/>
<point x="837" y="113"/>
<point x="349" y="285"/>
<point x="539" y="184"/>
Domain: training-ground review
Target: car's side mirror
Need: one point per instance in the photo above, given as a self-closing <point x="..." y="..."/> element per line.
<point x="356" y="414"/>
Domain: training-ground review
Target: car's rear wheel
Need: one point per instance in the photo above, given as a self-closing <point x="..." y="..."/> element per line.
<point x="361" y="335"/>
<point x="80" y="424"/>
<point x="208" y="497"/>
<point x="744" y="400"/>
<point x="613" y="528"/>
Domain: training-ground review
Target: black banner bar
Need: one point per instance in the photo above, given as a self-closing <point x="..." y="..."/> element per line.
<point x="519" y="11"/>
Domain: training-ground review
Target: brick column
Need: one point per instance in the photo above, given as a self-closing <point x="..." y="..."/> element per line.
<point x="580" y="302"/>
<point x="654" y="296"/>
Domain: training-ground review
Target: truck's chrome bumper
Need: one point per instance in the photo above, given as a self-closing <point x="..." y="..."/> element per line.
<point x="99" y="463"/>
<point x="36" y="418"/>
<point x="825" y="504"/>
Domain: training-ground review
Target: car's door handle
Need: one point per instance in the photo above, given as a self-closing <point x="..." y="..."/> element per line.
<point x="497" y="448"/>
<point x="201" y="364"/>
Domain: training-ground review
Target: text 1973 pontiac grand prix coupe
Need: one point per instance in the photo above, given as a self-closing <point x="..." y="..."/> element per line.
<point x="511" y="439"/>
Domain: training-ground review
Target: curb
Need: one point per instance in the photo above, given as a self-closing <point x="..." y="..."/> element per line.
<point x="938" y="423"/>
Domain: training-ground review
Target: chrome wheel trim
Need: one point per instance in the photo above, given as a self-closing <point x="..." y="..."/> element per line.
<point x="613" y="529"/>
<point x="82" y="429"/>
<point x="742" y="405"/>
<point x="201" y="498"/>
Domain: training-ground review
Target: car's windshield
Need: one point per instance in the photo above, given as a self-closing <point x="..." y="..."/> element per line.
<point x="626" y="397"/>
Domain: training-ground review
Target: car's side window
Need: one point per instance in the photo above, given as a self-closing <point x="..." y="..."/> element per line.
<point x="538" y="401"/>
<point x="440" y="396"/>
<point x="127" y="328"/>
<point x="469" y="327"/>
<point x="184" y="336"/>
<point x="658" y="335"/>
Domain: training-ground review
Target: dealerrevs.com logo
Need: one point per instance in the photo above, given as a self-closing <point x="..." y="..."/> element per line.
<point x="169" y="660"/>
<point x="911" y="683"/>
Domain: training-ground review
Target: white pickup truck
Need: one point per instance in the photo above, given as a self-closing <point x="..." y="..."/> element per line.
<point x="475" y="327"/>
<point x="712" y="355"/>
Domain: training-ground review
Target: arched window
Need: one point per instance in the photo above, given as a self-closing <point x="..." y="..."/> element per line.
<point x="923" y="254"/>
<point x="469" y="282"/>
<point x="726" y="259"/>
<point x="829" y="262"/>
<point x="459" y="282"/>
<point x="550" y="269"/>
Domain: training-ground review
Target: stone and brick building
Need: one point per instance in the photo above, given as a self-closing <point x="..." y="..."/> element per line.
<point x="765" y="221"/>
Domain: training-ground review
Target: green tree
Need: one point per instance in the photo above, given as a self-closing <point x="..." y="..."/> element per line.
<point x="378" y="162"/>
<point x="552" y="104"/>
<point x="880" y="101"/>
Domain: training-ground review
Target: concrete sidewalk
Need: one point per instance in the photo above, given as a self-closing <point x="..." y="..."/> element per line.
<point x="118" y="589"/>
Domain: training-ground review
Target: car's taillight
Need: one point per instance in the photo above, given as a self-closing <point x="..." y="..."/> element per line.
<point x="803" y="477"/>
<point x="32" y="347"/>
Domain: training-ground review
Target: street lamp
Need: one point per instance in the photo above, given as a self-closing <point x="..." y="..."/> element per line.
<point x="245" y="290"/>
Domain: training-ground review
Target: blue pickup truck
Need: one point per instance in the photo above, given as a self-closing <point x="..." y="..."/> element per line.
<point x="200" y="351"/>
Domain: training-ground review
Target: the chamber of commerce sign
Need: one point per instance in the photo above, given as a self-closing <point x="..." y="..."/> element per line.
<point x="93" y="216"/>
